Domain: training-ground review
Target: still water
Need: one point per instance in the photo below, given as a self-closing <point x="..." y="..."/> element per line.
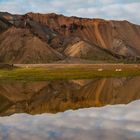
<point x="95" y="109"/>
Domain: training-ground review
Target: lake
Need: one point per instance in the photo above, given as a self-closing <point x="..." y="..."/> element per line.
<point x="99" y="109"/>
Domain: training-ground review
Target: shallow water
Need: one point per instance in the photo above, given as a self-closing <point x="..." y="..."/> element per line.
<point x="106" y="108"/>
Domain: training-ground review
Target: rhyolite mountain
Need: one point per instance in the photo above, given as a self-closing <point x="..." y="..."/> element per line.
<point x="47" y="38"/>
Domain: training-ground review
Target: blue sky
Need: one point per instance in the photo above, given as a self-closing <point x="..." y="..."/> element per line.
<point x="107" y="9"/>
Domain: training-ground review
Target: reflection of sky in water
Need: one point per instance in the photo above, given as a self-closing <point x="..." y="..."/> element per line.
<point x="120" y="122"/>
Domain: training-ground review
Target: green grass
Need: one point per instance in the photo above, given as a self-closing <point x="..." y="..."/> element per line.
<point x="42" y="74"/>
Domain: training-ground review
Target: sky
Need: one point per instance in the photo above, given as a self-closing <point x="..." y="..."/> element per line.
<point x="106" y="9"/>
<point x="119" y="122"/>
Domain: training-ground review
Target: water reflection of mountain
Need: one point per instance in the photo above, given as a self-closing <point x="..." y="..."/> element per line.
<point x="58" y="96"/>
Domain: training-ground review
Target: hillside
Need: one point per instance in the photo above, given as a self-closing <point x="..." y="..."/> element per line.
<point x="46" y="38"/>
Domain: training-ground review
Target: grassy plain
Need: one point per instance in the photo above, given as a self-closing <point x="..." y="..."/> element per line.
<point x="68" y="72"/>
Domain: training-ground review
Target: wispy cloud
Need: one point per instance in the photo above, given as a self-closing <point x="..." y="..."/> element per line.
<point x="108" y="9"/>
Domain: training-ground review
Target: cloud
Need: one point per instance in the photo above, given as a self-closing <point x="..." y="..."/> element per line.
<point x="107" y="9"/>
<point x="116" y="122"/>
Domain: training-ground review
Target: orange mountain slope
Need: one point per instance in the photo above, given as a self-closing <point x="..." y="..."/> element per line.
<point x="43" y="38"/>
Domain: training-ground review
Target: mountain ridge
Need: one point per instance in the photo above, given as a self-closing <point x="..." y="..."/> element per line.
<point x="117" y="41"/>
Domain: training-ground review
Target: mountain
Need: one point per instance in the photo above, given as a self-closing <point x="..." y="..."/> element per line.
<point x="47" y="38"/>
<point x="84" y="50"/>
<point x="4" y="22"/>
<point x="21" y="46"/>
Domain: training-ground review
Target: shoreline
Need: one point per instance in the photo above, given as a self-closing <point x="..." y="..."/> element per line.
<point x="43" y="72"/>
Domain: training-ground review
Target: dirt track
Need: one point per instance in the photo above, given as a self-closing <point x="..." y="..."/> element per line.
<point x="84" y="66"/>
